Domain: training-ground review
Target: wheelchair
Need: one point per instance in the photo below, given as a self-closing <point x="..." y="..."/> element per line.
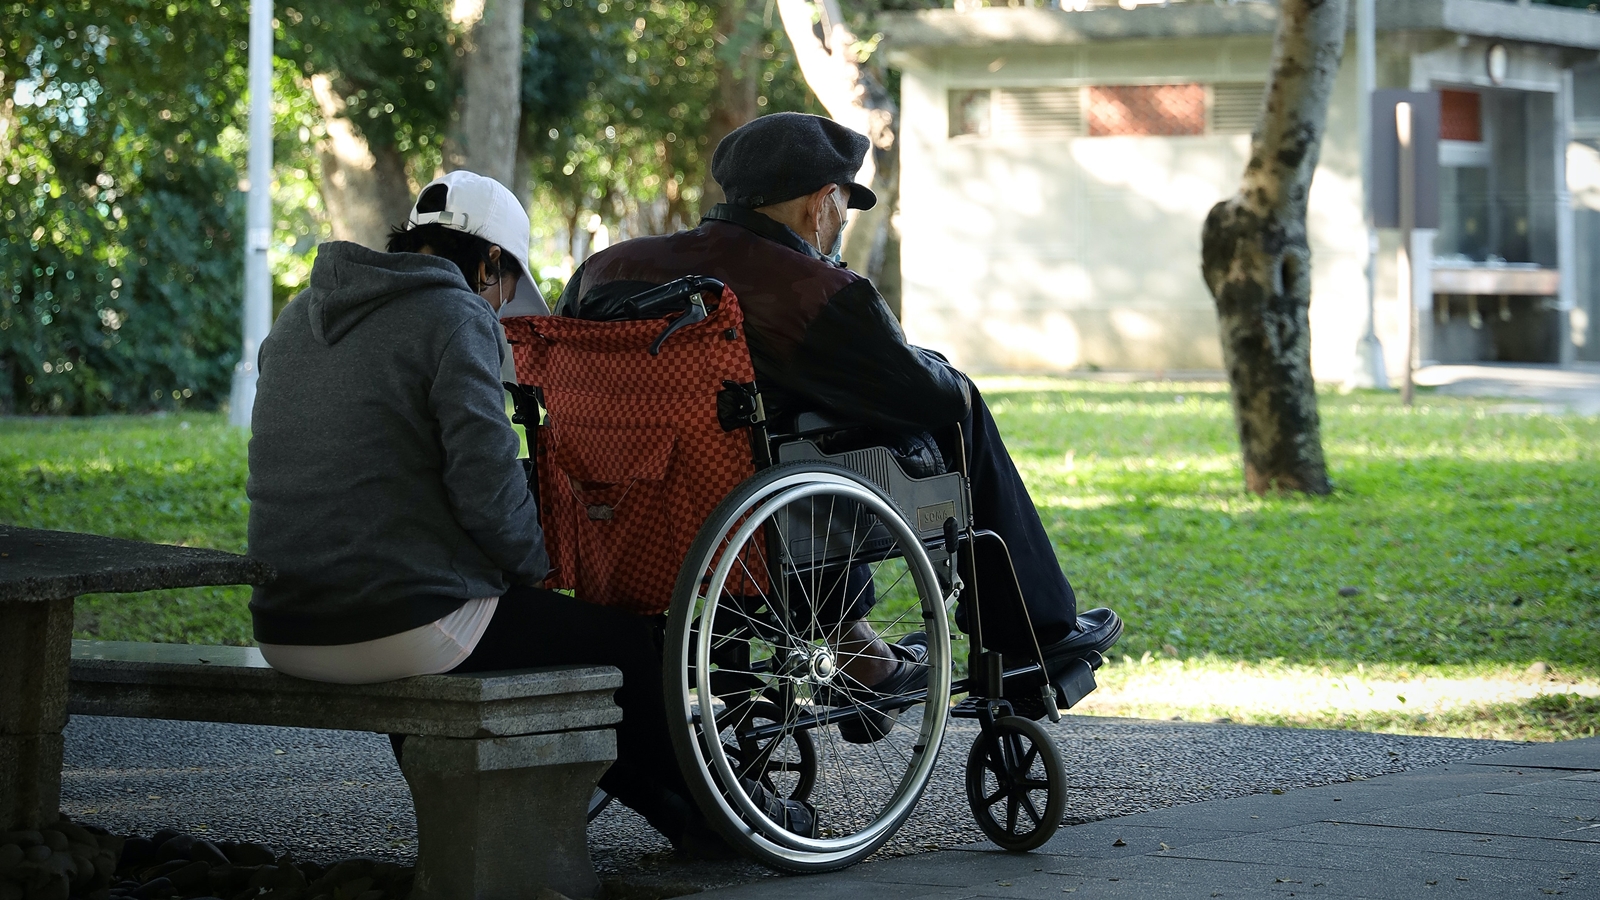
<point x="757" y="539"/>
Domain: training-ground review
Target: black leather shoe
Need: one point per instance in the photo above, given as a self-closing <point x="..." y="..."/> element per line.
<point x="1098" y="630"/>
<point x="796" y="816"/>
<point x="911" y="675"/>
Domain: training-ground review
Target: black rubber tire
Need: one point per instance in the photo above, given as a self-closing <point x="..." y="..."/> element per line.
<point x="1008" y="752"/>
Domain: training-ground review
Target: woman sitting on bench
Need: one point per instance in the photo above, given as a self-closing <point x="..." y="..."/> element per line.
<point x="386" y="491"/>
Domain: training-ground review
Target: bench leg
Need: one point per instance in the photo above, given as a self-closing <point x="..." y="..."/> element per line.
<point x="505" y="818"/>
<point x="35" y="650"/>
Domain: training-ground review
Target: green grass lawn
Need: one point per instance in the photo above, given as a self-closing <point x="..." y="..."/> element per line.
<point x="1468" y="537"/>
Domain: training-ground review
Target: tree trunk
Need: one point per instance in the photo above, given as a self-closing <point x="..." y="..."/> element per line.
<point x="488" y="115"/>
<point x="1257" y="262"/>
<point x="737" y="90"/>
<point x="855" y="98"/>
<point x="363" y="187"/>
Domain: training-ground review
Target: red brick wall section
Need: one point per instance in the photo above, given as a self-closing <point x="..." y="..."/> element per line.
<point x="1460" y="116"/>
<point x="1146" y="109"/>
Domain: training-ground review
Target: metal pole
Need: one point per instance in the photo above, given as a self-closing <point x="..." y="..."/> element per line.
<point x="1408" y="222"/>
<point x="258" y="216"/>
<point x="1369" y="370"/>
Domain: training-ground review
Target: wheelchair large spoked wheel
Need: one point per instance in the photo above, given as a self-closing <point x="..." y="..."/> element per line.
<point x="756" y="685"/>
<point x="1016" y="783"/>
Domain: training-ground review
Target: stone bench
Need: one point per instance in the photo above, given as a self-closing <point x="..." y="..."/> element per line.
<point x="501" y="765"/>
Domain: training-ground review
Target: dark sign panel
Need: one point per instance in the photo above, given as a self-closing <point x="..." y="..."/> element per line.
<point x="1386" y="157"/>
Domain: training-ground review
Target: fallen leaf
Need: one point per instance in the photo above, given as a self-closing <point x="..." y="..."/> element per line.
<point x="1164" y="846"/>
<point x="1119" y="842"/>
<point x="1275" y="791"/>
<point x="1005" y="884"/>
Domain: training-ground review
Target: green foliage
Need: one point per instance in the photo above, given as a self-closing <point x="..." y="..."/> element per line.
<point x="389" y="61"/>
<point x="119" y="217"/>
<point x="617" y="98"/>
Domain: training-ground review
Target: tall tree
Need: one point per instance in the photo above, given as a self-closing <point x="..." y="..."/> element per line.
<point x="363" y="185"/>
<point x="829" y="55"/>
<point x="736" y="71"/>
<point x="1256" y="259"/>
<point x="373" y="87"/>
<point x="489" y="47"/>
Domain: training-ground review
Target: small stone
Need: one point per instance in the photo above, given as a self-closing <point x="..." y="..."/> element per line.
<point x="75" y="833"/>
<point x="55" y="840"/>
<point x="243" y="854"/>
<point x="10" y="891"/>
<point x="22" y="838"/>
<point x="37" y="853"/>
<point x="10" y="857"/>
<point x="160" y="887"/>
<point x="162" y="870"/>
<point x="162" y="836"/>
<point x="1538" y="669"/>
<point x="136" y="852"/>
<point x="191" y="876"/>
<point x="205" y="851"/>
<point x="1349" y="590"/>
<point x="176" y="847"/>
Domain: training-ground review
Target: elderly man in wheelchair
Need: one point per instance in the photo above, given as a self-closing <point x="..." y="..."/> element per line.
<point x="728" y="427"/>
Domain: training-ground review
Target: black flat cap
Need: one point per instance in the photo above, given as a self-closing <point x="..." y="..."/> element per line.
<point x="786" y="155"/>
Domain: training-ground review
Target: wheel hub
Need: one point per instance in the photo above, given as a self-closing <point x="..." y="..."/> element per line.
<point x="822" y="666"/>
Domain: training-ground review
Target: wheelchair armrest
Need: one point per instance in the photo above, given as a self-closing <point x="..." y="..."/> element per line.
<point x="809" y="423"/>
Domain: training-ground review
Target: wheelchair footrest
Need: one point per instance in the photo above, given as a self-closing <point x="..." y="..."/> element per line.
<point x="1076" y="681"/>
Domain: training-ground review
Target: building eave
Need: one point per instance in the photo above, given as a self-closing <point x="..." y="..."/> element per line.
<point x="1032" y="26"/>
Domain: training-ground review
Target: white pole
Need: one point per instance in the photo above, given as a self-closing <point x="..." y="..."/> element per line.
<point x="1408" y="220"/>
<point x="258" y="216"/>
<point x="1368" y="371"/>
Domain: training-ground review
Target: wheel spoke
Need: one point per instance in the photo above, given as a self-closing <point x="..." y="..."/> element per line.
<point x="1028" y="807"/>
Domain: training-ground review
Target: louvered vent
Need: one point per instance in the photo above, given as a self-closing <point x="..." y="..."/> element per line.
<point x="1235" y="106"/>
<point x="1039" y="112"/>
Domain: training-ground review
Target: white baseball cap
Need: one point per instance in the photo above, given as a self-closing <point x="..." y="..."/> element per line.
<point x="485" y="208"/>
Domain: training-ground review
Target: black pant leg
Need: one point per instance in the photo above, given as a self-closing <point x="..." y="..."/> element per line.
<point x="535" y="627"/>
<point x="1000" y="503"/>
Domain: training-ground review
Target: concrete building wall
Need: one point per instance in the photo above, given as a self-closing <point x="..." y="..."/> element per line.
<point x="1042" y="252"/>
<point x="1049" y="254"/>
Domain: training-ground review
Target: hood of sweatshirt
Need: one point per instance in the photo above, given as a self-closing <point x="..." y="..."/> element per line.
<point x="349" y="281"/>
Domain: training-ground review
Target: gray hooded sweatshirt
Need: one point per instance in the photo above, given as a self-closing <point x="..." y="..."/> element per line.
<point x="384" y="482"/>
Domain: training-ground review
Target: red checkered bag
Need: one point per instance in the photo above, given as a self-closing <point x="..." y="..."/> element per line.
<point x="632" y="457"/>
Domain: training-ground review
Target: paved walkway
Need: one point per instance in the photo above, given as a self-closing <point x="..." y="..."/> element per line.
<point x="1555" y="389"/>
<point x="1514" y="824"/>
<point x="326" y="795"/>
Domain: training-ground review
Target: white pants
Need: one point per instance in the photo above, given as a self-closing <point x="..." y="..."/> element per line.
<point x="429" y="649"/>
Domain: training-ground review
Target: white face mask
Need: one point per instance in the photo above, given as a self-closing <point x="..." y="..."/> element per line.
<point x="834" y="252"/>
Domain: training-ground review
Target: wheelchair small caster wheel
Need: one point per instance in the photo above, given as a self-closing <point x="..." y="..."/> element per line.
<point x="1016" y="784"/>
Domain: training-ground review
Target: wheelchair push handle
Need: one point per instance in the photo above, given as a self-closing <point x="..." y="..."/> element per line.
<point x="666" y="298"/>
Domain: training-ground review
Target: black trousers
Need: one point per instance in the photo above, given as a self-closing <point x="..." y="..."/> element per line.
<point x="1000" y="504"/>
<point x="535" y="627"/>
